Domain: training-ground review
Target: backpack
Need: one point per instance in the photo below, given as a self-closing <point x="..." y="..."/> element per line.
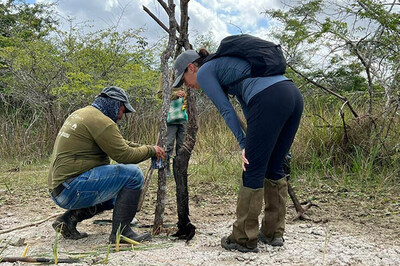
<point x="265" y="58"/>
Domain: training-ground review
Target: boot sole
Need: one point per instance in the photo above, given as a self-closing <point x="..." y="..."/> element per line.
<point x="228" y="245"/>
<point x="140" y="238"/>
<point x="65" y="232"/>
<point x="265" y="240"/>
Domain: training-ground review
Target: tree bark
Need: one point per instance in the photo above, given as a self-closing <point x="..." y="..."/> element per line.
<point x="181" y="161"/>
<point x="166" y="55"/>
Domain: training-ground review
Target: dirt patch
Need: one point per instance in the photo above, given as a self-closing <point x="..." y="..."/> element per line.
<point x="347" y="230"/>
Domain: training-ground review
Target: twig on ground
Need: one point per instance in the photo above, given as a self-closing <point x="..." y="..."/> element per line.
<point x="29" y="225"/>
<point x="298" y="206"/>
<point x="36" y="260"/>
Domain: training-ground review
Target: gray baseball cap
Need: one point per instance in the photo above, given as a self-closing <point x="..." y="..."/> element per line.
<point x="120" y="95"/>
<point x="181" y="63"/>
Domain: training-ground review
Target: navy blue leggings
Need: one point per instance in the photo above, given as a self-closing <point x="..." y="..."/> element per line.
<point x="272" y="122"/>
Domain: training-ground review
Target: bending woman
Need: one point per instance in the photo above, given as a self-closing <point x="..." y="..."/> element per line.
<point x="272" y="106"/>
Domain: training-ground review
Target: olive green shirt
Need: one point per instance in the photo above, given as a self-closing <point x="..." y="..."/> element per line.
<point x="88" y="139"/>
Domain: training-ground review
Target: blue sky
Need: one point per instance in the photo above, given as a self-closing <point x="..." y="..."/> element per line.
<point x="221" y="18"/>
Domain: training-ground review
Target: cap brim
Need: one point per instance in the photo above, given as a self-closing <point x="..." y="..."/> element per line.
<point x="129" y="108"/>
<point x="178" y="81"/>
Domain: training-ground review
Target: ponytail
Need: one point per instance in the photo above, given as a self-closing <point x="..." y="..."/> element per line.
<point x="203" y="53"/>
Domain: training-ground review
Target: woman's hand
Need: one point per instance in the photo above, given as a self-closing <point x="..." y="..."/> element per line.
<point x="244" y="160"/>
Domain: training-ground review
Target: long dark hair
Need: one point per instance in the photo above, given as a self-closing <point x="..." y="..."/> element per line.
<point x="203" y="53"/>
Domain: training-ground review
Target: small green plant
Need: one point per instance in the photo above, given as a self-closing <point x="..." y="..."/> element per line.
<point x="56" y="245"/>
<point x="130" y="241"/>
<point x="117" y="238"/>
<point x="105" y="261"/>
<point x="4" y="248"/>
<point x="327" y="238"/>
<point x="6" y="184"/>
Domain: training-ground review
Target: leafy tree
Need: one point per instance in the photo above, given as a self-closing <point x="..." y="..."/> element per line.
<point x="47" y="72"/>
<point x="360" y="38"/>
<point x="348" y="47"/>
<point x="19" y="19"/>
<point x="206" y="41"/>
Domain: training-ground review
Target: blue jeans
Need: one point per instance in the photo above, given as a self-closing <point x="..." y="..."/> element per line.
<point x="99" y="185"/>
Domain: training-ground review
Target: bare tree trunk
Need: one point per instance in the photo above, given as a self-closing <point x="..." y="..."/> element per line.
<point x="181" y="161"/>
<point x="183" y="41"/>
<point x="162" y="184"/>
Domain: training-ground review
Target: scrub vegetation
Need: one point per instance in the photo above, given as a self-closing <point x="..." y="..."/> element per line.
<point x="347" y="149"/>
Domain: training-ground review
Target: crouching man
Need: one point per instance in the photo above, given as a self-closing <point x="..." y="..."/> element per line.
<point x="81" y="178"/>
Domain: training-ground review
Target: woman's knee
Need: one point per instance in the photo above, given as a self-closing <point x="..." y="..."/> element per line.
<point x="253" y="181"/>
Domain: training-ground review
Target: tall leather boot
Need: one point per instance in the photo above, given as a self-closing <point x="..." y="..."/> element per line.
<point x="125" y="210"/>
<point x="67" y="222"/>
<point x="245" y="228"/>
<point x="273" y="223"/>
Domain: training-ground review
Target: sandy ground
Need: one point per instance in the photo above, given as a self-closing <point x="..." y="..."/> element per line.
<point x="345" y="231"/>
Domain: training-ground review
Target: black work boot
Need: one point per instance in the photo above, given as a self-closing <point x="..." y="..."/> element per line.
<point x="66" y="223"/>
<point x="125" y="209"/>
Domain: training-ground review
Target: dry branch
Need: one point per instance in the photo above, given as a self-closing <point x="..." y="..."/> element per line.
<point x="155" y="18"/>
<point x="186" y="230"/>
<point x="29" y="225"/>
<point x="344" y="122"/>
<point x="300" y="210"/>
<point x="325" y="89"/>
<point x="36" y="260"/>
<point x="181" y="162"/>
<point x="145" y="187"/>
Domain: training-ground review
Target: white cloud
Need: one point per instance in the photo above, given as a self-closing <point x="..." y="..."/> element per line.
<point x="221" y="18"/>
<point x="227" y="17"/>
<point x="245" y="14"/>
<point x="203" y="20"/>
<point x="110" y="4"/>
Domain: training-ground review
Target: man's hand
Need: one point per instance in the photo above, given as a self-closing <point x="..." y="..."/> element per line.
<point x="160" y="153"/>
<point x="180" y="94"/>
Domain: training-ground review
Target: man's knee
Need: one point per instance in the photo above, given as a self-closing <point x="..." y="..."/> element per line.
<point x="135" y="175"/>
